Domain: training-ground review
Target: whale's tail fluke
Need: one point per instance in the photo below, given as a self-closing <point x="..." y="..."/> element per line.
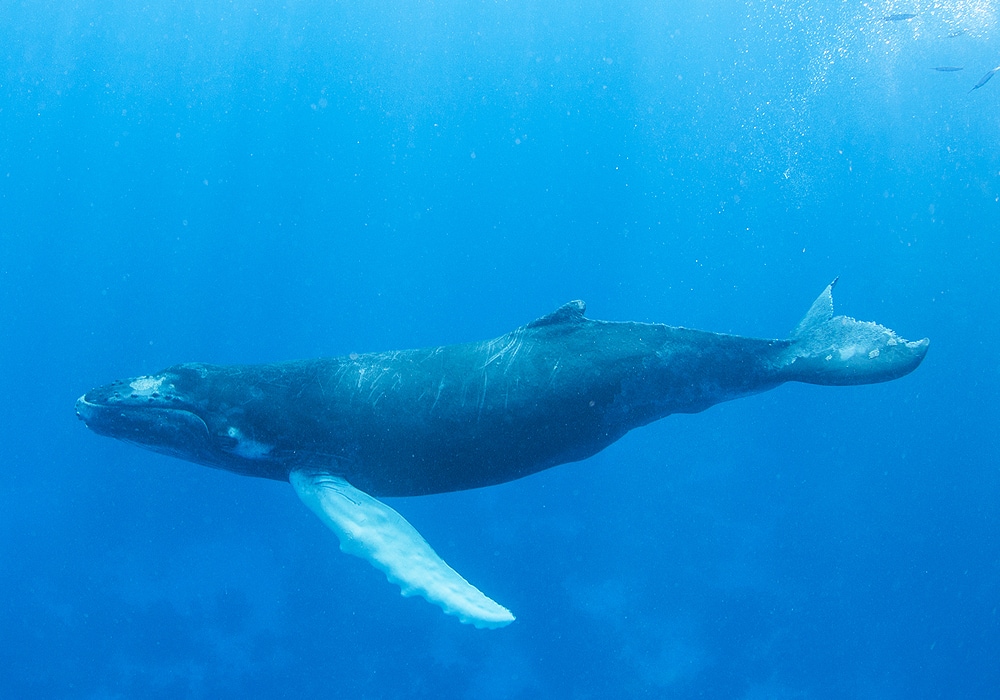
<point x="839" y="350"/>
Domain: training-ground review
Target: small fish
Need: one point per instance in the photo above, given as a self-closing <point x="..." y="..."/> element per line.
<point x="957" y="32"/>
<point x="900" y="17"/>
<point x="949" y="69"/>
<point x="985" y="79"/>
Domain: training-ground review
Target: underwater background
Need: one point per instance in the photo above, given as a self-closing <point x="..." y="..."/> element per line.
<point x="242" y="182"/>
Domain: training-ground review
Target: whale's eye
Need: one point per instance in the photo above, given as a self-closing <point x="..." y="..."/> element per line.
<point x="227" y="440"/>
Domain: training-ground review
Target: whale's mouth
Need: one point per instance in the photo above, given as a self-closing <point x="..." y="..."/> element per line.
<point x="162" y="428"/>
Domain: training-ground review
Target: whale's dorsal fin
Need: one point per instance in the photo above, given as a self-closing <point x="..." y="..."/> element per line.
<point x="819" y="313"/>
<point x="370" y="529"/>
<point x="567" y="313"/>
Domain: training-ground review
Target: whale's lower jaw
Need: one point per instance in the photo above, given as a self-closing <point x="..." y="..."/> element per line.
<point x="176" y="432"/>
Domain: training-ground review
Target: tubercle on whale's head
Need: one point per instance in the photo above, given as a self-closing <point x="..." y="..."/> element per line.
<point x="169" y="412"/>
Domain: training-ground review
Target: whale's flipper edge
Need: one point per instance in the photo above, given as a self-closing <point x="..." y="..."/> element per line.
<point x="371" y="530"/>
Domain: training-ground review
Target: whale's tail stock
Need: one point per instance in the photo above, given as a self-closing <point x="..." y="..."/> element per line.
<point x="839" y="350"/>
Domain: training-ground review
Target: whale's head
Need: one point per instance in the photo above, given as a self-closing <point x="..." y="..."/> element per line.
<point x="180" y="412"/>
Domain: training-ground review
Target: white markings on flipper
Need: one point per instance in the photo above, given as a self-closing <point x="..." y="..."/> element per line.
<point x="370" y="529"/>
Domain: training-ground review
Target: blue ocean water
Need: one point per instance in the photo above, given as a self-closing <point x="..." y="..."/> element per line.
<point x="233" y="182"/>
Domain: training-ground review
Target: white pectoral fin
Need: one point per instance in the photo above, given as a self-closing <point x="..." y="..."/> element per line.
<point x="370" y="529"/>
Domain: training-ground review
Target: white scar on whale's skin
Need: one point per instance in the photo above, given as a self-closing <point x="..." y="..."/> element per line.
<point x="247" y="447"/>
<point x="146" y="386"/>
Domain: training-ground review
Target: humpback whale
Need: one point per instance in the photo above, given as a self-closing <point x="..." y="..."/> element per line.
<point x="346" y="431"/>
